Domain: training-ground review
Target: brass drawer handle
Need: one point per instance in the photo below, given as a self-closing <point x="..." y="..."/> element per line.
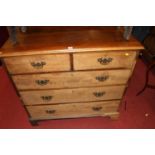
<point x="99" y="94"/>
<point x="50" y="111"/>
<point x="96" y="108"/>
<point x="46" y="98"/>
<point x="38" y="65"/>
<point x="102" y="78"/>
<point x="42" y="82"/>
<point x="104" y="61"/>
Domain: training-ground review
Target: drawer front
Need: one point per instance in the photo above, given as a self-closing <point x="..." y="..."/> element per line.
<point x="73" y="110"/>
<point x="103" y="60"/>
<point x="71" y="79"/>
<point x="72" y="95"/>
<point x="38" y="63"/>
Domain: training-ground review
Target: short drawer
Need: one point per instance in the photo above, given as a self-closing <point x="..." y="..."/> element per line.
<point x="37" y="63"/>
<point x="72" y="95"/>
<point x="71" y="79"/>
<point x="73" y="110"/>
<point x="103" y="60"/>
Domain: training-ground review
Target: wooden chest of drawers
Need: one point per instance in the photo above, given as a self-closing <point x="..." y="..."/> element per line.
<point x="74" y="74"/>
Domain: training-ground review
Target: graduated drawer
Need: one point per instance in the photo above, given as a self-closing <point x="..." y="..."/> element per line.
<point x="103" y="60"/>
<point x="37" y="63"/>
<point x="71" y="79"/>
<point x="73" y="110"/>
<point x="72" y="95"/>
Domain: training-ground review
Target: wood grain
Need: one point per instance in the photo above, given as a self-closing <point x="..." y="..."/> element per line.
<point x="61" y="41"/>
<point x="73" y="110"/>
<point x="38" y="63"/>
<point x="71" y="79"/>
<point x="104" y="60"/>
<point x="72" y="95"/>
<point x="71" y="73"/>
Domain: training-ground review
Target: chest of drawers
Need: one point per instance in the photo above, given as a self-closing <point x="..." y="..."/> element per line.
<point x="71" y="74"/>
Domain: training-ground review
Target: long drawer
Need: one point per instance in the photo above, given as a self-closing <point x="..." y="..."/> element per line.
<point x="103" y="60"/>
<point x="72" y="95"/>
<point x="38" y="63"/>
<point x="71" y="79"/>
<point x="73" y="110"/>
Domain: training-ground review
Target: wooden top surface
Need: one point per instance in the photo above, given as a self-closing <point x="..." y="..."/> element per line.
<point x="69" y="41"/>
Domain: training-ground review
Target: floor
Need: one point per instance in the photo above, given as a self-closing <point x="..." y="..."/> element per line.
<point x="136" y="112"/>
